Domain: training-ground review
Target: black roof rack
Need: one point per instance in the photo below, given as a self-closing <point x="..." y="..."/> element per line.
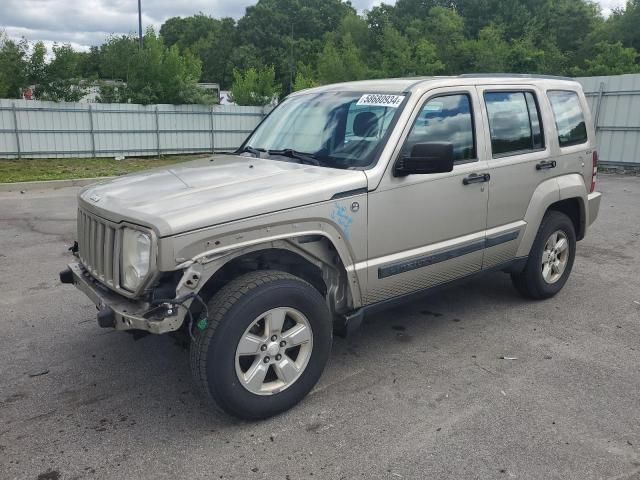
<point x="514" y="75"/>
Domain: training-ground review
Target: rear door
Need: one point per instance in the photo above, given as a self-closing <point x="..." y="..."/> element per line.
<point x="574" y="151"/>
<point x="516" y="132"/>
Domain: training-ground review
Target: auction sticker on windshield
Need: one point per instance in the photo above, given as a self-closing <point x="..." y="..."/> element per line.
<point x="381" y="100"/>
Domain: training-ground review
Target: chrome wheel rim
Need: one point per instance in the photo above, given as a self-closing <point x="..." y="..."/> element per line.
<point x="274" y="351"/>
<point x="555" y="256"/>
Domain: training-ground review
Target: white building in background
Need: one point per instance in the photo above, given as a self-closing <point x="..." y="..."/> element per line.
<point x="212" y="89"/>
<point x="92" y="94"/>
<point x="225" y="98"/>
<point x="92" y="90"/>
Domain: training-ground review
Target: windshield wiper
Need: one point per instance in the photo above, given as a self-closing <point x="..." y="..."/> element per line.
<point x="252" y="150"/>
<point x="308" y="158"/>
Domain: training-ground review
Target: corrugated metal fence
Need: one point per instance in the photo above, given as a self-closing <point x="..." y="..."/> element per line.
<point x="615" y="105"/>
<point x="33" y="129"/>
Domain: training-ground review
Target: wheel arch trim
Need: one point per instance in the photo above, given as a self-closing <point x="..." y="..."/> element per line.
<point x="548" y="193"/>
<point x="544" y="195"/>
<point x="572" y="187"/>
<point x="208" y="263"/>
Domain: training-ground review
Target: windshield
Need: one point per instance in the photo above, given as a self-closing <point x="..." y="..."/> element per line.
<point x="331" y="129"/>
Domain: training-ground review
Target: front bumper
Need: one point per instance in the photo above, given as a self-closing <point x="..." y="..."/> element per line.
<point x="594" y="205"/>
<point x="116" y="311"/>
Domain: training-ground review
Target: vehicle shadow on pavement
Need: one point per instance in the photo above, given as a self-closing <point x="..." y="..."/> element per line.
<point x="447" y="310"/>
<point x="148" y="379"/>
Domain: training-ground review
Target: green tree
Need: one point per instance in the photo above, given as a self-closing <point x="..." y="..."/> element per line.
<point x="60" y="90"/>
<point x="445" y="28"/>
<point x="116" y="57"/>
<point x="570" y="22"/>
<point x="111" y="93"/>
<point x="186" y="32"/>
<point x="402" y="56"/>
<point x="163" y="75"/>
<point x="488" y="53"/>
<point x="37" y="64"/>
<point x="330" y="65"/>
<point x="65" y="63"/>
<point x="255" y="87"/>
<point x="426" y="59"/>
<point x="216" y="51"/>
<point x="396" y="54"/>
<point x="513" y="17"/>
<point x="305" y="78"/>
<point x="61" y="81"/>
<point x="609" y="59"/>
<point x="341" y="62"/>
<point x="157" y="74"/>
<point x="355" y="26"/>
<point x="285" y="32"/>
<point x="90" y="63"/>
<point x="378" y="18"/>
<point x="13" y="67"/>
<point x="623" y="25"/>
<point x="245" y="57"/>
<point x="213" y="41"/>
<point x="408" y="10"/>
<point x="309" y="41"/>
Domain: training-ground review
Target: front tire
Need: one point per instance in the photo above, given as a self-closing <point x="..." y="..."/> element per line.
<point x="550" y="260"/>
<point x="265" y="345"/>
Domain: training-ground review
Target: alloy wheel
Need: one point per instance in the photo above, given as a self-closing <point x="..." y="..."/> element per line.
<point x="555" y="256"/>
<point x="274" y="351"/>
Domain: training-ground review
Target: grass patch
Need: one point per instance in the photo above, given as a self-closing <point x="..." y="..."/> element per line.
<point x="39" y="169"/>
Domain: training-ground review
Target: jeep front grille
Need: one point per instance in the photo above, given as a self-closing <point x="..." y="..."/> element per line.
<point x="98" y="246"/>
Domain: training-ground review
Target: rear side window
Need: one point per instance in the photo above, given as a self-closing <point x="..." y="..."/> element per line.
<point x="514" y="122"/>
<point x="445" y="119"/>
<point x="567" y="111"/>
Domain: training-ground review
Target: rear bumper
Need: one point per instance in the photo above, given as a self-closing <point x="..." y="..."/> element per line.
<point x="116" y="311"/>
<point x="594" y="205"/>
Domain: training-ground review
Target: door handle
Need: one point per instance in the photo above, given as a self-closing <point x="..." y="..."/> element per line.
<point x="544" y="165"/>
<point x="476" y="178"/>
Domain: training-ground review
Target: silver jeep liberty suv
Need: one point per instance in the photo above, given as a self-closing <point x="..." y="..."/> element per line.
<point x="346" y="199"/>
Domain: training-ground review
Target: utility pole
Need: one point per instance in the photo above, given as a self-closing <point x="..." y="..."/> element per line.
<point x="140" y="22"/>
<point x="291" y="63"/>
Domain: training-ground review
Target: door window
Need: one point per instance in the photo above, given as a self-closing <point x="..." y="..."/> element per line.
<point x="514" y="122"/>
<point x="449" y="119"/>
<point x="569" y="118"/>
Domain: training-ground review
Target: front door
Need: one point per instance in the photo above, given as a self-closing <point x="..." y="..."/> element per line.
<point x="424" y="230"/>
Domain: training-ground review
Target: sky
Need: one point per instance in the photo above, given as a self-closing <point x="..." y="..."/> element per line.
<point x="88" y="22"/>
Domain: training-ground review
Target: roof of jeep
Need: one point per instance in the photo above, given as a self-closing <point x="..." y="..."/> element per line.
<point x="399" y="85"/>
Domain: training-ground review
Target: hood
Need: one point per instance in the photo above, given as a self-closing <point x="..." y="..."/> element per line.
<point x="215" y="190"/>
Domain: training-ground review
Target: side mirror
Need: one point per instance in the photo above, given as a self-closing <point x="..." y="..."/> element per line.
<point x="431" y="157"/>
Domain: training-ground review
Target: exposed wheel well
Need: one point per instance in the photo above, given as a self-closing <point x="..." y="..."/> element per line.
<point x="268" y="259"/>
<point x="572" y="208"/>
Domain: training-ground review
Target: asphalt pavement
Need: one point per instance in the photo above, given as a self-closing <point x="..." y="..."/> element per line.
<point x="420" y="392"/>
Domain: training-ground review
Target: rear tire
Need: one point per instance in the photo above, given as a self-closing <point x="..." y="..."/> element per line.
<point x="266" y="343"/>
<point x="550" y="260"/>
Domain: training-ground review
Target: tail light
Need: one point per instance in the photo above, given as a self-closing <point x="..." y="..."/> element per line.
<point x="594" y="172"/>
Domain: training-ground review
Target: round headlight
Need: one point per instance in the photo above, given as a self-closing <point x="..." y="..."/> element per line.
<point x="136" y="255"/>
